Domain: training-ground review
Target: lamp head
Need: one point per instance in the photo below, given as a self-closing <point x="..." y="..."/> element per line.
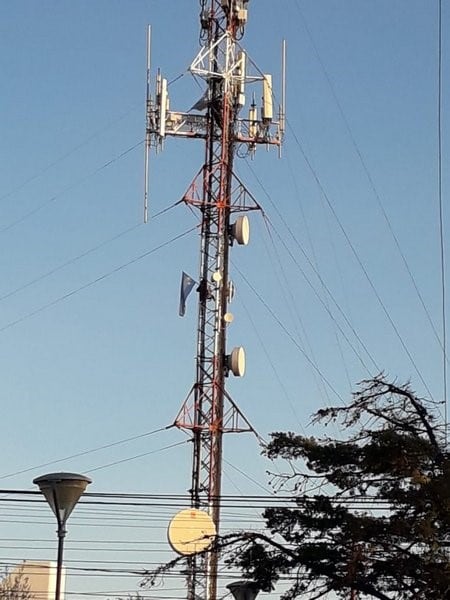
<point x="62" y="492"/>
<point x="244" y="590"/>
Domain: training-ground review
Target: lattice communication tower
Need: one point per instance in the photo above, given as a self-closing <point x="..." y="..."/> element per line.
<point x="222" y="201"/>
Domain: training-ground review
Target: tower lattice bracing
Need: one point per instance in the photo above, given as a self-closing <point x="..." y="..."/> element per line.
<point x="222" y="201"/>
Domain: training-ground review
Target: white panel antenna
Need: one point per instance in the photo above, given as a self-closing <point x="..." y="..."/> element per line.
<point x="282" y="115"/>
<point x="267" y="107"/>
<point x="253" y="119"/>
<point x="242" y="61"/>
<point x="163" y="105"/>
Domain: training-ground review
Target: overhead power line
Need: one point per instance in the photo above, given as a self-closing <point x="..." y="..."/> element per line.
<point x="128" y="459"/>
<point x="96" y="280"/>
<point x="368" y="175"/>
<point x="319" y="277"/>
<point x="325" y="305"/>
<point x="83" y="254"/>
<point x="87" y="452"/>
<point x="359" y="261"/>
<point x="441" y="222"/>
<point x="66" y="154"/>
<point x="71" y="261"/>
<point x="70" y="187"/>
<point x="288" y="333"/>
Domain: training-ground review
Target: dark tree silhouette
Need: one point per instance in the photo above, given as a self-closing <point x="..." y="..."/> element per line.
<point x="394" y="457"/>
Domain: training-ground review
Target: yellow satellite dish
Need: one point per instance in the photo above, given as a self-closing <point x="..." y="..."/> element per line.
<point x="191" y="531"/>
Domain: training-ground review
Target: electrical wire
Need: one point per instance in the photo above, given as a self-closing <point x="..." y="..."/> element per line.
<point x="441" y="224"/>
<point x="86" y="452"/>
<point x="95" y="281"/>
<point x="167" y="501"/>
<point x="78" y="257"/>
<point x="316" y="265"/>
<point x="368" y="175"/>
<point x="359" y="261"/>
<point x="319" y="277"/>
<point x="324" y="304"/>
<point x="68" y="188"/>
<point x="288" y="333"/>
<point x="123" y="460"/>
<point x="69" y="262"/>
<point x="68" y="153"/>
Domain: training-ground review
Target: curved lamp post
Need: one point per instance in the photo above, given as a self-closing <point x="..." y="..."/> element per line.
<point x="62" y="492"/>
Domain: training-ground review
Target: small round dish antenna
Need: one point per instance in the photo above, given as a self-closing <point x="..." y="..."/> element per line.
<point x="191" y="531"/>
<point x="241" y="230"/>
<point x="236" y="361"/>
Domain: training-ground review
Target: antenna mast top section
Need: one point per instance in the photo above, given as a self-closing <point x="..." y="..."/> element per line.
<point x="221" y="59"/>
<point x="234" y="13"/>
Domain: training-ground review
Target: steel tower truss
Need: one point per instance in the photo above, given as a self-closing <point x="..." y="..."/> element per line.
<point x="218" y="194"/>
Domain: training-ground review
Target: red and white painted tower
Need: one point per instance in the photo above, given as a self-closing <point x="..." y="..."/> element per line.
<point x="222" y="201"/>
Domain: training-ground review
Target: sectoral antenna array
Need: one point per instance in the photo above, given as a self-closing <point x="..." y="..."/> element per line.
<point x="222" y="200"/>
<point x="258" y="128"/>
<point x="224" y="60"/>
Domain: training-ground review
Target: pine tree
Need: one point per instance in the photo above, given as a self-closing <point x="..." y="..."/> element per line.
<point x="394" y="459"/>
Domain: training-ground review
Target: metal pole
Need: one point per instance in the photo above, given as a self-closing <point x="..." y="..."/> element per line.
<point x="147" y="133"/>
<point x="61" y="531"/>
<point x="59" y="564"/>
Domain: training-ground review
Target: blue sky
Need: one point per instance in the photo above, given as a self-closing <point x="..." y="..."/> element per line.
<point x="114" y="360"/>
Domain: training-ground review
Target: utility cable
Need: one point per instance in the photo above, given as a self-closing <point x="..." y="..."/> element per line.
<point x="288" y="333"/>
<point x="319" y="277"/>
<point x="441" y="223"/>
<point x="69" y="262"/>
<point x="368" y="175"/>
<point x="316" y="264"/>
<point x="67" y="154"/>
<point x="86" y="452"/>
<point x="246" y="475"/>
<point x="358" y="259"/>
<point x="326" y="308"/>
<point x="322" y="388"/>
<point x="118" y="462"/>
<point x="91" y="250"/>
<point x="95" y="281"/>
<point x="291" y="304"/>
<point x="69" y="188"/>
<point x="175" y="79"/>
<point x="231" y="482"/>
<point x="274" y="370"/>
<point x="32" y="499"/>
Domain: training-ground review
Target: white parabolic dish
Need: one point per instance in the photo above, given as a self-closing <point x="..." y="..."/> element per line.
<point x="191" y="531"/>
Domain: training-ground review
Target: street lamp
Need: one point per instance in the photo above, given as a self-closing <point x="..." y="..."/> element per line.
<point x="62" y="492"/>
<point x="244" y="590"/>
